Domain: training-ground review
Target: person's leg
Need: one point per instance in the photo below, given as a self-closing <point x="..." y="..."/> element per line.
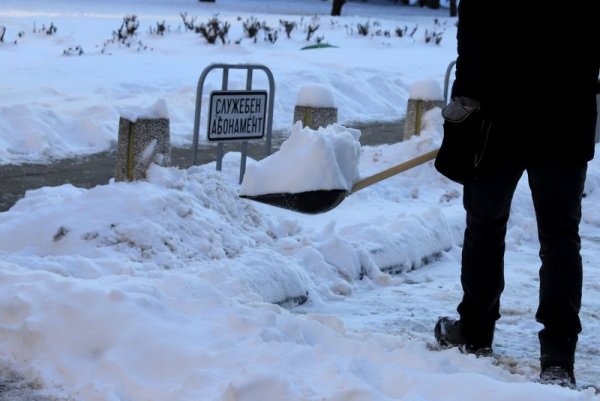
<point x="557" y="192"/>
<point x="487" y="201"/>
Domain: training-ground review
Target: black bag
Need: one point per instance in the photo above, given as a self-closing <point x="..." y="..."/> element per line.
<point x="464" y="142"/>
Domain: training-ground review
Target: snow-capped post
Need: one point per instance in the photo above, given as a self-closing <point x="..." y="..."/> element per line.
<point x="144" y="138"/>
<point x="315" y="107"/>
<point x="424" y="95"/>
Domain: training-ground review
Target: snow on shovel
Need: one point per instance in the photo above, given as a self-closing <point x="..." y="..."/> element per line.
<point x="314" y="171"/>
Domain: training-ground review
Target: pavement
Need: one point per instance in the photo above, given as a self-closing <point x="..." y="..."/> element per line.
<point x="97" y="169"/>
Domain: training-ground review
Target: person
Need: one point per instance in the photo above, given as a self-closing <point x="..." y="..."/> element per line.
<point x="530" y="70"/>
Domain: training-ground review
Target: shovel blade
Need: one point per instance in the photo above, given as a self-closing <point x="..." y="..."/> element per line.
<point x="309" y="202"/>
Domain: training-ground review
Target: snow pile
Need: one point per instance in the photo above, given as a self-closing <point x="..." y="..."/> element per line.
<point x="308" y="160"/>
<point x="36" y="132"/>
<point x="180" y="265"/>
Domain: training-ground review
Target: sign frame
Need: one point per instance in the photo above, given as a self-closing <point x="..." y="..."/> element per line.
<point x="225" y="70"/>
<point x="239" y="112"/>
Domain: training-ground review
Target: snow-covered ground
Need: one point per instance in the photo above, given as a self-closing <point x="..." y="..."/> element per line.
<point x="54" y="105"/>
<point x="174" y="288"/>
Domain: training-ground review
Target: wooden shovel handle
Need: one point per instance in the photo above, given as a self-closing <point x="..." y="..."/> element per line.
<point x="407" y="165"/>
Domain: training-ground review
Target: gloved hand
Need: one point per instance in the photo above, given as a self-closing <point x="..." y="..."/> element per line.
<point x="460" y="108"/>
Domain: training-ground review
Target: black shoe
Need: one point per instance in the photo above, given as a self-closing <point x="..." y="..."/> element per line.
<point x="447" y="334"/>
<point x="558" y="375"/>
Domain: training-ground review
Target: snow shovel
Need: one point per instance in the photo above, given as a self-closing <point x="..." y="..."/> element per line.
<point x="323" y="200"/>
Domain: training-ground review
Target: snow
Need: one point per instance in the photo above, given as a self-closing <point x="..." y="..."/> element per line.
<point x="427" y="89"/>
<point x="55" y="105"/>
<point x="308" y="160"/>
<point x="157" y="110"/>
<point x="174" y="288"/>
<point x="315" y="96"/>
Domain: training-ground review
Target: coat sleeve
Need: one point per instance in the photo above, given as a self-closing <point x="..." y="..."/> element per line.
<point x="470" y="35"/>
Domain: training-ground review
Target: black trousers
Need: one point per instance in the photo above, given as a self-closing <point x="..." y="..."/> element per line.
<point x="557" y="192"/>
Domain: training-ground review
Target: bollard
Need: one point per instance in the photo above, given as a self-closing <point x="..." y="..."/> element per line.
<point x="141" y="142"/>
<point x="315" y="107"/>
<point x="423" y="96"/>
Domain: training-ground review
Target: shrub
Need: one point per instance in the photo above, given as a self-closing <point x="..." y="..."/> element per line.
<point x="363" y="29"/>
<point x="48" y="31"/>
<point x="433" y="36"/>
<point x="214" y="29"/>
<point x="161" y="28"/>
<point x="252" y="27"/>
<point x="73" y="51"/>
<point x="126" y="35"/>
<point x="288" y="27"/>
<point x="189" y="24"/>
<point x="128" y="29"/>
<point x="400" y="32"/>
<point x="271" y="34"/>
<point x="312" y="27"/>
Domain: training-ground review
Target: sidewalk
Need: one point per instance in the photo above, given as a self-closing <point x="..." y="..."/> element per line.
<point x="99" y="168"/>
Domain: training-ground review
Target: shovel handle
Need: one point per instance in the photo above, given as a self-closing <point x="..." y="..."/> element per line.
<point x="407" y="165"/>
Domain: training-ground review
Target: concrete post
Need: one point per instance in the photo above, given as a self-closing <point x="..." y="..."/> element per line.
<point x="315" y="107"/>
<point x="145" y="141"/>
<point x="315" y="117"/>
<point x="423" y="96"/>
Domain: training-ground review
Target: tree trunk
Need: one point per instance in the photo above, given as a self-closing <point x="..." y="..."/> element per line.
<point x="453" y="10"/>
<point x="336" y="10"/>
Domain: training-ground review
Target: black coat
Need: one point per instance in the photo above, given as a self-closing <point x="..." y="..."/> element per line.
<point x="534" y="69"/>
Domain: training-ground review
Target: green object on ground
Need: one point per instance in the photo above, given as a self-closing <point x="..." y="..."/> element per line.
<point x="317" y="46"/>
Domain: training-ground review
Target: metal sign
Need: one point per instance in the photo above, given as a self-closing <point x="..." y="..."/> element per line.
<point x="237" y="115"/>
<point x="267" y="125"/>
